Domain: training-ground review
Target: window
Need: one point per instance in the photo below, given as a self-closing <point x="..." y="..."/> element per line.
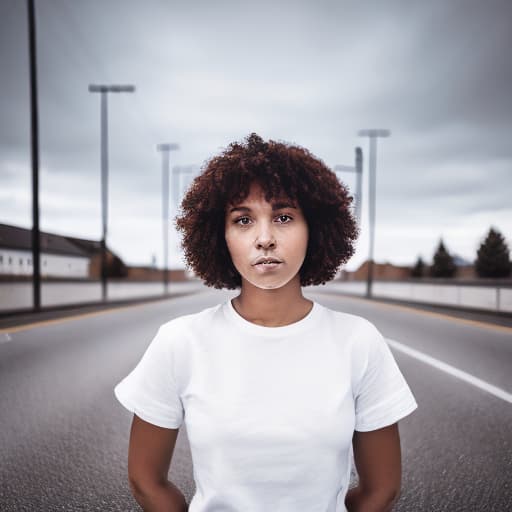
<point x="10" y="260"/>
<point x="21" y="262"/>
<point x="1" y="258"/>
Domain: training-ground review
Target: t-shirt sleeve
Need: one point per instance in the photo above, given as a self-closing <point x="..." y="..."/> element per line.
<point x="382" y="396"/>
<point x="150" y="390"/>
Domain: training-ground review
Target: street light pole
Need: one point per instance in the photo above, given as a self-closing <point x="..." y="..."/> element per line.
<point x="104" y="90"/>
<point x="165" y="149"/>
<point x="358" y="169"/>
<point x="359" y="183"/>
<point x="373" y="134"/>
<point x="34" y="142"/>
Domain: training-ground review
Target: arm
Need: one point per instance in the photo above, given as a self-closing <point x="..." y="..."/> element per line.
<point x="149" y="458"/>
<point x="378" y="463"/>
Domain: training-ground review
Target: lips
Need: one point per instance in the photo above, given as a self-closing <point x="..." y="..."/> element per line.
<point x="266" y="261"/>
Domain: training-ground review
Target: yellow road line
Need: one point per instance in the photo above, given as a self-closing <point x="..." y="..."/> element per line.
<point x="42" y="323"/>
<point x="444" y="316"/>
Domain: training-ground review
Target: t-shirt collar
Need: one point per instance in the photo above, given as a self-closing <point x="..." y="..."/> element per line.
<point x="271" y="332"/>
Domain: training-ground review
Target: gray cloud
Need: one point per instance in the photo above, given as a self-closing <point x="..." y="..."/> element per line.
<point x="437" y="74"/>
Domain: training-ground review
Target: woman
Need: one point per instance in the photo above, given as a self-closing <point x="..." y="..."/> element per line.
<point x="277" y="392"/>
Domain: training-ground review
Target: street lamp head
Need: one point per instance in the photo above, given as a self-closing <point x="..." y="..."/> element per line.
<point x="121" y="88"/>
<point x="97" y="88"/>
<point x="167" y="147"/>
<point x="374" y="132"/>
<point x="111" y="88"/>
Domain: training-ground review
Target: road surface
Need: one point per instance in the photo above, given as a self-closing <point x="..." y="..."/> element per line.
<point x="63" y="436"/>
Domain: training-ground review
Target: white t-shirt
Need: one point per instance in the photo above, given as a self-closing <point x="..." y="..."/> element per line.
<point x="270" y="411"/>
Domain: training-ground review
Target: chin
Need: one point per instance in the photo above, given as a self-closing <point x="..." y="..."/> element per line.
<point x="269" y="285"/>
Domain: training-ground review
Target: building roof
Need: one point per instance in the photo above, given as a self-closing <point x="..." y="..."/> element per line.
<point x="13" y="237"/>
<point x="89" y="246"/>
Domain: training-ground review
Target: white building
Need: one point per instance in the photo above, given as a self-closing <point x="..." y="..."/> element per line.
<point x="59" y="256"/>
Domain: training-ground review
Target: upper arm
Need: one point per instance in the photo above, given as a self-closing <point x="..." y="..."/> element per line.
<point x="150" y="452"/>
<point x="377" y="458"/>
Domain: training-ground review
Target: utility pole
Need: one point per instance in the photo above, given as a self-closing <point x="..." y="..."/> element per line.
<point x="34" y="138"/>
<point x="165" y="149"/>
<point x="358" y="169"/>
<point x="104" y="90"/>
<point x="372" y="134"/>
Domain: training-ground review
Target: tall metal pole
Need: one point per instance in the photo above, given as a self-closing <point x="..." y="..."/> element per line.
<point x="373" y="134"/>
<point x="358" y="169"/>
<point x="34" y="137"/>
<point x="372" y="161"/>
<point x="104" y="89"/>
<point x="165" y="149"/>
<point x="104" y="191"/>
<point x="359" y="183"/>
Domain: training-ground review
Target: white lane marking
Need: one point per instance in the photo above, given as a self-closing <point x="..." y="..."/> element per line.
<point x="466" y="377"/>
<point x="5" y="337"/>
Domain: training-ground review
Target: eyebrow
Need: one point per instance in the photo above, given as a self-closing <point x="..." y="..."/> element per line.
<point x="275" y="206"/>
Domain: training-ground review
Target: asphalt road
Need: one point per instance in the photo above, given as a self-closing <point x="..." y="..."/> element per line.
<point x="63" y="436"/>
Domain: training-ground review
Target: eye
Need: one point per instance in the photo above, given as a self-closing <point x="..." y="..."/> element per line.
<point x="243" y="221"/>
<point x="284" y="219"/>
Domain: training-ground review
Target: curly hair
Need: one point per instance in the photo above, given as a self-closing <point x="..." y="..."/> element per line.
<point x="280" y="169"/>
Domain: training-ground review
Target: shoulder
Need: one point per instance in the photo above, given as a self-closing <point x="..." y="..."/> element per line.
<point x="354" y="326"/>
<point x="189" y="323"/>
<point x="191" y="319"/>
<point x="186" y="326"/>
<point x="358" y="336"/>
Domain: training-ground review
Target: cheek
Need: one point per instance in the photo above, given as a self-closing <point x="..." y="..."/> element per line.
<point x="303" y="239"/>
<point x="232" y="243"/>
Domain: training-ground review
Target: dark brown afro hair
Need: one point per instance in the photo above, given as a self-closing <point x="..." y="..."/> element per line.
<point x="281" y="170"/>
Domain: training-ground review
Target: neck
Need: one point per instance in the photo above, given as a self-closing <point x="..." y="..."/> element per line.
<point x="272" y="308"/>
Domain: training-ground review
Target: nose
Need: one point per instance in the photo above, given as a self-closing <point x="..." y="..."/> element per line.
<point x="265" y="238"/>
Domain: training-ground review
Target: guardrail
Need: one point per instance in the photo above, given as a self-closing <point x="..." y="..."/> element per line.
<point x="17" y="295"/>
<point x="492" y="295"/>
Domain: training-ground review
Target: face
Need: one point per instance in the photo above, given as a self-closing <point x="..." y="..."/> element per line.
<point x="267" y="241"/>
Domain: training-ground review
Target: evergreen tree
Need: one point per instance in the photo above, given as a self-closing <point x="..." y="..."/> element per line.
<point x="493" y="259"/>
<point x="443" y="264"/>
<point x="419" y="268"/>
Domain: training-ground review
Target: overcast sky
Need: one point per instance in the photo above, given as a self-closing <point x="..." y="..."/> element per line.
<point x="438" y="74"/>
